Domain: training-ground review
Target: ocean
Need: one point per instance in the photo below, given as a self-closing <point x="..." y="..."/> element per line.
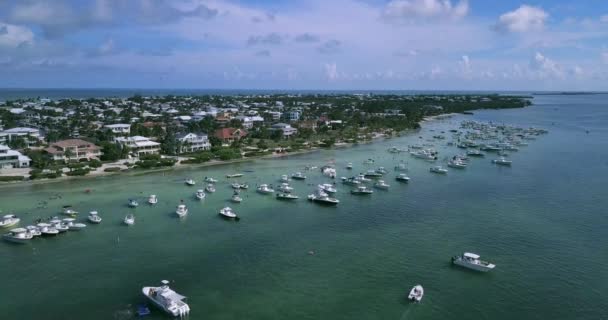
<point x="542" y="221"/>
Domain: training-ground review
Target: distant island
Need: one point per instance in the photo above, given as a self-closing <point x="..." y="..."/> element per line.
<point x="48" y="139"/>
<point x="566" y="93"/>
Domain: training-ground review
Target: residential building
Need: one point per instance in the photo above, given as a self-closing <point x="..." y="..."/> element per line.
<point x="228" y="135"/>
<point x="293" y="115"/>
<point x="287" y="129"/>
<point x="119" y="129"/>
<point x="12" y="158"/>
<point x="275" y="115"/>
<point x="140" y="145"/>
<point x="31" y="135"/>
<point x="193" y="142"/>
<point x="73" y="149"/>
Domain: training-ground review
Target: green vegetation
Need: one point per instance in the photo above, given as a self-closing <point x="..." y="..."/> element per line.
<point x="11" y="178"/>
<point x="154" y="161"/>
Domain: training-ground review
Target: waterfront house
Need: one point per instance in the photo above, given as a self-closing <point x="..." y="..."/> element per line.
<point x="73" y="150"/>
<point x="140" y="145"/>
<point x="30" y="135"/>
<point x="12" y="158"/>
<point x="119" y="129"/>
<point x="228" y="135"/>
<point x="192" y="142"/>
<point x="286" y="129"/>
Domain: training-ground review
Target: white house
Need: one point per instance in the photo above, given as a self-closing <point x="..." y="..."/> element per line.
<point x="12" y="158"/>
<point x="119" y="129"/>
<point x="192" y="142"/>
<point x="140" y="145"/>
<point x="31" y="135"/>
<point x="285" y="128"/>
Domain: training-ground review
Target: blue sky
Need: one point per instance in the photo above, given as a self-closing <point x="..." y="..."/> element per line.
<point x="314" y="44"/>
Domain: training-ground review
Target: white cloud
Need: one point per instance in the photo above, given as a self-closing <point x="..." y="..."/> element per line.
<point x="12" y="36"/>
<point x="331" y="71"/>
<point x="524" y="19"/>
<point x="545" y="67"/>
<point x="414" y="9"/>
<point x="465" y="66"/>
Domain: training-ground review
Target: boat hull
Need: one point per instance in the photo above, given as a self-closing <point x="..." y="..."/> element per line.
<point x="16" y="240"/>
<point x="475" y="267"/>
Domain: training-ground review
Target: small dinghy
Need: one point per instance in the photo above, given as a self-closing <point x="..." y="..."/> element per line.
<point x="129" y="220"/>
<point x="416" y="293"/>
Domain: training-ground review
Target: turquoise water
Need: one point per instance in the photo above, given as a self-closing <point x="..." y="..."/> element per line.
<point x="543" y="222"/>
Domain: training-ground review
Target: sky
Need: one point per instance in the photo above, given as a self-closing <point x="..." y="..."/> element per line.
<point x="312" y="44"/>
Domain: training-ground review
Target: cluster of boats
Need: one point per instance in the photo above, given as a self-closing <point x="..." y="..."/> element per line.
<point x="52" y="227"/>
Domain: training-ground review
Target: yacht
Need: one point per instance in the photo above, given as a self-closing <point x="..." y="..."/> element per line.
<point x="74" y="226"/>
<point x="298" y="176"/>
<point x="457" y="164"/>
<point x="18" y="235"/>
<point x="349" y="166"/>
<point x="9" y="220"/>
<point x="59" y="225"/>
<point x="210" y="188"/>
<point x="94" y="217"/>
<point x="381" y="185"/>
<point x="228" y="213"/>
<point x="200" y="194"/>
<point x="285" y="188"/>
<point x="372" y="174"/>
<point x="287" y="196"/>
<point x="68" y="211"/>
<point x="181" y="210"/>
<point x="34" y="230"/>
<point x="238" y="186"/>
<point x="236" y="198"/>
<point x="152" y="199"/>
<point x="351" y="181"/>
<point x="471" y="261"/>
<point x="362" y="178"/>
<point x="327" y="187"/>
<point x="438" y="169"/>
<point x="264" y="189"/>
<point x="129" y="219"/>
<point x="362" y="190"/>
<point x="323" y="198"/>
<point x="234" y="175"/>
<point x="168" y="300"/>
<point x="47" y="229"/>
<point x="502" y="162"/>
<point x="284" y="178"/>
<point x="402" y="178"/>
<point x="416" y="293"/>
<point x="133" y="203"/>
<point x="381" y="170"/>
<point x="190" y="182"/>
<point x="329" y="171"/>
<point x="210" y="180"/>
<point x="475" y="153"/>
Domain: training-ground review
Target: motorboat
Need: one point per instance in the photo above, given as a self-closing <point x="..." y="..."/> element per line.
<point x="329" y="171"/>
<point x="369" y="161"/>
<point x="285" y="188"/>
<point x="328" y="187"/>
<point x="181" y="210"/>
<point x="210" y="180"/>
<point x="73" y="226"/>
<point x="351" y="181"/>
<point x="287" y="196"/>
<point x="190" y="182"/>
<point x="168" y="300"/>
<point x="381" y="170"/>
<point x="236" y="198"/>
<point x="152" y="199"/>
<point x="395" y="150"/>
<point x="284" y="178"/>
<point x="380" y="184"/>
<point x="200" y="194"/>
<point x="372" y="174"/>
<point x="457" y="164"/>
<point x="228" y="213"/>
<point x="133" y="203"/>
<point x="298" y="176"/>
<point x="472" y="261"/>
<point x="362" y="190"/>
<point x="129" y="219"/>
<point x="475" y="153"/>
<point x="68" y="211"/>
<point x="9" y="220"/>
<point x="349" y="166"/>
<point x="47" y="229"/>
<point x="59" y="225"/>
<point x="416" y="293"/>
<point x="94" y="217"/>
<point x="238" y="186"/>
<point x="234" y="175"/>
<point x="362" y="178"/>
<point x="323" y="198"/>
<point x="401" y="167"/>
<point x="502" y="162"/>
<point x="18" y="235"/>
<point x="264" y="189"/>
<point x="438" y="169"/>
<point x="402" y="177"/>
<point x="210" y="188"/>
<point x="34" y="230"/>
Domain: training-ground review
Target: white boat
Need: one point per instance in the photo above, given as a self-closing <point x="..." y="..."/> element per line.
<point x="381" y="170"/>
<point x="59" y="225"/>
<point x="298" y="176"/>
<point x="181" y="210"/>
<point x="200" y="194"/>
<point x="471" y="261"/>
<point x="369" y="161"/>
<point x="264" y="189"/>
<point x="438" y="169"/>
<point x="328" y="187"/>
<point x="416" y="293"/>
<point x="322" y="198"/>
<point x="362" y="178"/>
<point x="329" y="171"/>
<point x="381" y="185"/>
<point x="284" y="178"/>
<point x="94" y="217"/>
<point x="373" y="174"/>
<point x="74" y="226"/>
<point x="9" y="220"/>
<point x="287" y="196"/>
<point x="475" y="153"/>
<point x="129" y="220"/>
<point x="18" y="235"/>
<point x="236" y="198"/>
<point x="457" y="164"/>
<point x="353" y="181"/>
<point x="285" y="188"/>
<point x="502" y="162"/>
<point x="362" y="190"/>
<point x="133" y="203"/>
<point x="210" y="188"/>
<point x="152" y="199"/>
<point x="402" y="177"/>
<point x="210" y="180"/>
<point x="168" y="300"/>
<point x="234" y="175"/>
<point x="68" y="211"/>
<point x="228" y="213"/>
<point x="349" y="166"/>
<point x="190" y="182"/>
<point x="34" y="231"/>
<point x="47" y="229"/>
<point x="238" y="186"/>
<point x="401" y="167"/>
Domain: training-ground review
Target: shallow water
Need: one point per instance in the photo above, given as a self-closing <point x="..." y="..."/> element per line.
<point x="543" y="222"/>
